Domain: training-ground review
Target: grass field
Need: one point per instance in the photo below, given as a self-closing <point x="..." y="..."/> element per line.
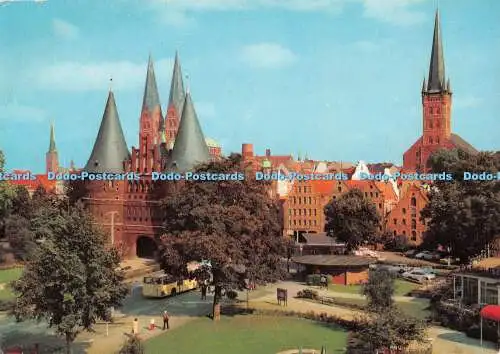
<point x="402" y="288"/>
<point x="248" y="335"/>
<point x="6" y="276"/>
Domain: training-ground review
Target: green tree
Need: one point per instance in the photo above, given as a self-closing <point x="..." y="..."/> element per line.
<point x="379" y="290"/>
<point x="133" y="346"/>
<point x="234" y="224"/>
<point x="7" y="193"/>
<point x="71" y="280"/>
<point x="352" y="219"/>
<point x="464" y="215"/>
<point x="391" y="330"/>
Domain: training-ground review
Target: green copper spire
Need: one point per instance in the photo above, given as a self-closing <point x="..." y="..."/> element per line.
<point x="190" y="148"/>
<point x="436" y="81"/>
<point x="52" y="144"/>
<point x="151" y="98"/>
<point x="177" y="93"/>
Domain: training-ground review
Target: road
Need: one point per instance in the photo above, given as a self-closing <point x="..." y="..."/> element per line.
<point x="182" y="308"/>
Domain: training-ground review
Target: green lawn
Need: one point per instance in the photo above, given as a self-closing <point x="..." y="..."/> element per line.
<point x="402" y="288"/>
<point x="247" y="335"/>
<point x="6" y="276"/>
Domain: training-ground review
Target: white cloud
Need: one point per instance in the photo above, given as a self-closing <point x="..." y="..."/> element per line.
<point x="398" y="12"/>
<point x="65" y="29"/>
<point x="77" y="76"/>
<point x="267" y="55"/>
<point x="467" y="102"/>
<point x="20" y="113"/>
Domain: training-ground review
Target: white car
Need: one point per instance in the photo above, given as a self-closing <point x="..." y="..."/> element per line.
<point x="428" y="256"/>
<point x="419" y="275"/>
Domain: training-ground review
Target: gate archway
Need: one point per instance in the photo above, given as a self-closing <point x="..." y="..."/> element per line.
<point x="145" y="247"/>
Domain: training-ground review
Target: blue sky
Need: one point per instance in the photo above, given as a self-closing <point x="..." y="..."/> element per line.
<point x="336" y="79"/>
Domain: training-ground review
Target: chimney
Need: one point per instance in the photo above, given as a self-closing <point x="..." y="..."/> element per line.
<point x="247" y="151"/>
<point x="268" y="152"/>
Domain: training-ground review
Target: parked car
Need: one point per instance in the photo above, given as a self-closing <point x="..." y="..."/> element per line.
<point x="410" y="253"/>
<point x="449" y="260"/>
<point x="419" y="275"/>
<point x="427" y="255"/>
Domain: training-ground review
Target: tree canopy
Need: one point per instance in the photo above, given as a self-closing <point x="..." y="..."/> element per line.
<point x="233" y="224"/>
<point x="71" y="279"/>
<point x="464" y="214"/>
<point x="352" y="219"/>
<point x="379" y="290"/>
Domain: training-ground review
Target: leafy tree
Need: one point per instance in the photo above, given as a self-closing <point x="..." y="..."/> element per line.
<point x="71" y="280"/>
<point x="20" y="237"/>
<point x="352" y="219"/>
<point x="233" y="224"/>
<point x="379" y="290"/>
<point x="133" y="346"/>
<point x="390" y="329"/>
<point x="464" y="215"/>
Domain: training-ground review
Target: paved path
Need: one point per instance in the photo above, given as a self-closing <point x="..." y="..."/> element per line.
<point x="445" y="341"/>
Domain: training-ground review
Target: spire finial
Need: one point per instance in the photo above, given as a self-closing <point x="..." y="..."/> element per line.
<point x="188" y="85"/>
<point x="110" y="83"/>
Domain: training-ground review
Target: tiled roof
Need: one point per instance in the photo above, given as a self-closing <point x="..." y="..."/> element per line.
<point x="462" y="144"/>
<point x="32" y="185"/>
<point x="334" y="260"/>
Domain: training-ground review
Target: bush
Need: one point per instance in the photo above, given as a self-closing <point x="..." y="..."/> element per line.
<point x="231" y="294"/>
<point x="308" y="294"/>
<point x="315" y="279"/>
<point x="133" y="346"/>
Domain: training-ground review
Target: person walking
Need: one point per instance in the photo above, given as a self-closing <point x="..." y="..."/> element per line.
<point x="135" y="326"/>
<point x="203" y="292"/>
<point x="165" y="320"/>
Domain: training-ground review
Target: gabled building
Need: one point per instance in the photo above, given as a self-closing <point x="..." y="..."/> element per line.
<point x="130" y="209"/>
<point x="436" y="110"/>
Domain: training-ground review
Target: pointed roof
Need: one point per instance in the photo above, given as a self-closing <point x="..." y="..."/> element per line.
<point x="110" y="148"/>
<point x="436" y="80"/>
<point x="52" y="143"/>
<point x="190" y="148"/>
<point x="151" y="98"/>
<point x="177" y="92"/>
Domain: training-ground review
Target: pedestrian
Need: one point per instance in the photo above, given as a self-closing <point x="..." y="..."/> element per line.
<point x="165" y="320"/>
<point x="203" y="292"/>
<point x="152" y="324"/>
<point x="135" y="326"/>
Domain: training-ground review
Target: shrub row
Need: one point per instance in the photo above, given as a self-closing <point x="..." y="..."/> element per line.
<point x="325" y="300"/>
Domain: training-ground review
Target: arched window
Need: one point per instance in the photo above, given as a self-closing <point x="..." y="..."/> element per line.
<point x="413" y="224"/>
<point x="413" y="201"/>
<point x="413" y="236"/>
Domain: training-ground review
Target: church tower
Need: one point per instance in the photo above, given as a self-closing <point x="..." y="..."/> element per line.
<point x="151" y="121"/>
<point x="436" y="95"/>
<point x="175" y="103"/>
<point x="51" y="158"/>
<point x="436" y="113"/>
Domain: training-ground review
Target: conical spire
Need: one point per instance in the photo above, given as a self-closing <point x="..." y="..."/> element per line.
<point x="436" y="70"/>
<point x="52" y="143"/>
<point x="190" y="148"/>
<point x="110" y="148"/>
<point x="177" y="93"/>
<point x="151" y="97"/>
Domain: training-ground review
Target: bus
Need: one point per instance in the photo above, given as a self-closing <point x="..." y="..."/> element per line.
<point x="160" y="285"/>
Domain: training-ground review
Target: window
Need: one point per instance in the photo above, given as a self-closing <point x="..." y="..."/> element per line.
<point x="314" y="212"/>
<point x="430" y="140"/>
<point x="404" y="210"/>
<point x="489" y="293"/>
<point x="289" y="211"/>
<point x="404" y="232"/>
<point x="315" y="223"/>
<point x="294" y="212"/>
<point x="413" y="201"/>
<point x="305" y="211"/>
<point x="339" y="188"/>
<point x="300" y="212"/>
<point x="395" y="221"/>
<point x="437" y="140"/>
<point x="394" y="233"/>
<point x="310" y="200"/>
<point x="413" y="236"/>
<point x="300" y="200"/>
<point x="404" y="221"/>
<point x="380" y="205"/>
<point x="376" y="194"/>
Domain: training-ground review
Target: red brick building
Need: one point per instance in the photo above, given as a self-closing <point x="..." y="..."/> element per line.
<point x="404" y="218"/>
<point x="130" y="209"/>
<point x="436" y="110"/>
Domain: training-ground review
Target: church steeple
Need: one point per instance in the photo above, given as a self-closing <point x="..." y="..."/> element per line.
<point x="151" y="98"/>
<point x="190" y="148"/>
<point x="110" y="149"/>
<point x="51" y="157"/>
<point x="177" y="92"/>
<point x="436" y="82"/>
<point x="52" y="143"/>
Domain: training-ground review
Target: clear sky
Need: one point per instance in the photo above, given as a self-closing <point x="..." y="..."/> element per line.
<point x="336" y="79"/>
